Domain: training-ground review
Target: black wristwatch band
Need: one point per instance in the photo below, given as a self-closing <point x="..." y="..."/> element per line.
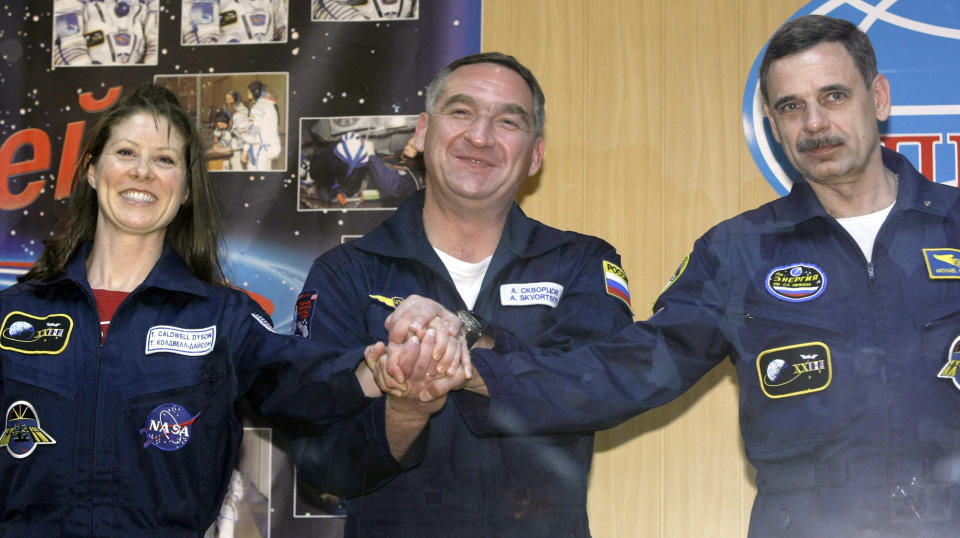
<point x="472" y="328"/>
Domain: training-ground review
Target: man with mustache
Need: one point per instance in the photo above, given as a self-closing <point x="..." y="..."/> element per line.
<point x="413" y="468"/>
<point x="838" y="304"/>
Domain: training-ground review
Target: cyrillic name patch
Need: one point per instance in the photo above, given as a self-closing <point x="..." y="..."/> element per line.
<point x="615" y="281"/>
<point x="22" y="432"/>
<point x="796" y="282"/>
<point x="168" y="427"/>
<point x="794" y="370"/>
<point x="531" y="293"/>
<point x="949" y="370"/>
<point x="942" y="263"/>
<point x="33" y="335"/>
<point x="191" y="342"/>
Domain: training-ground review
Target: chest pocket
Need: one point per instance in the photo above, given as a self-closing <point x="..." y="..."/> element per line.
<point x="756" y="327"/>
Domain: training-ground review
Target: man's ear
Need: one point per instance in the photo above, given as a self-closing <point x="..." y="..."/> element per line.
<point x="536" y="158"/>
<point x="420" y="135"/>
<point x="880" y="91"/>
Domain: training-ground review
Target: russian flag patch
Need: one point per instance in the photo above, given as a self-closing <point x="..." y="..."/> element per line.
<point x="615" y="281"/>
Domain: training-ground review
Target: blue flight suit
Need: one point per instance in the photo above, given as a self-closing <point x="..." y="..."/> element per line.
<point x="137" y="436"/>
<point x="849" y="400"/>
<point x="544" y="287"/>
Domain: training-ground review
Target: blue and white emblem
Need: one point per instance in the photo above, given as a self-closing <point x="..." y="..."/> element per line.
<point x="797" y="282"/>
<point x="22" y="432"/>
<point x="168" y="427"/>
<point x="917" y="46"/>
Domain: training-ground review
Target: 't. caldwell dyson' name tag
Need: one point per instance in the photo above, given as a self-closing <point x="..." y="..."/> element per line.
<point x="192" y="342"/>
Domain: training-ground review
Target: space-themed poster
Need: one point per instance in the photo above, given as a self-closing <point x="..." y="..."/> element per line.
<point x="305" y="107"/>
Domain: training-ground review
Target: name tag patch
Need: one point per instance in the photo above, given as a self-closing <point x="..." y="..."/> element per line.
<point x="190" y="342"/>
<point x="942" y="262"/>
<point x="794" y="370"/>
<point x="531" y="293"/>
<point x="949" y="370"/>
<point x="34" y="335"/>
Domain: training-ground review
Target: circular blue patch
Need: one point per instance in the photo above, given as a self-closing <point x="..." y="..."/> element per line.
<point x="168" y="427"/>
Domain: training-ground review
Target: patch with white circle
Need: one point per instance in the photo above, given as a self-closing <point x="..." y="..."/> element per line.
<point x="796" y="282"/>
<point x="794" y="370"/>
<point x="949" y="370"/>
<point x="22" y="432"/>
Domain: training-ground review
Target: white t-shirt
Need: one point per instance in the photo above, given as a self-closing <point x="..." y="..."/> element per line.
<point x="467" y="276"/>
<point x="864" y="229"/>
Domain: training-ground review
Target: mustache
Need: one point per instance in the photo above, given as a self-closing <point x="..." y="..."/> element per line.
<point x="811" y="144"/>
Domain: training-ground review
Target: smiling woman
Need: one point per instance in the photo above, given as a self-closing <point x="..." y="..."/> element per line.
<point x="140" y="146"/>
<point x="123" y="346"/>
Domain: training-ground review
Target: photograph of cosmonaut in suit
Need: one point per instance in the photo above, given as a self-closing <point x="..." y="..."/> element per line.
<point x="359" y="162"/>
<point x="233" y="22"/>
<point x="104" y="32"/>
<point x="364" y="10"/>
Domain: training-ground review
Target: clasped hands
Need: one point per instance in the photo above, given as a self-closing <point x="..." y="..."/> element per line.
<point x="426" y="355"/>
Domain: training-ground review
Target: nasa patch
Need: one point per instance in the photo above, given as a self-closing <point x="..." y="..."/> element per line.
<point x="942" y="263"/>
<point x="949" y="370"/>
<point x="794" y="370"/>
<point x="190" y="342"/>
<point x="917" y="45"/>
<point x="33" y="335"/>
<point x="796" y="282"/>
<point x="168" y="427"/>
<point x="22" y="432"/>
<point x="615" y="281"/>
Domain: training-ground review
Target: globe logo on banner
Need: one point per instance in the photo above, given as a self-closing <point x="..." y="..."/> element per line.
<point x="917" y="43"/>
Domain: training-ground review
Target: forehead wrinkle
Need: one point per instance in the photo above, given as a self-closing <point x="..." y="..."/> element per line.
<point x="458" y="98"/>
<point x="505" y="108"/>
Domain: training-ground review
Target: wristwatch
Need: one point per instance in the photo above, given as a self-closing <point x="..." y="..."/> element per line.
<point x="472" y="328"/>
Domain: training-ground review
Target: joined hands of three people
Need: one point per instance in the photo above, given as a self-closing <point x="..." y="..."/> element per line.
<point x="426" y="355"/>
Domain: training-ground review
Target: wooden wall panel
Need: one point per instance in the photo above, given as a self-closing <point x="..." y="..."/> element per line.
<point x="645" y="148"/>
